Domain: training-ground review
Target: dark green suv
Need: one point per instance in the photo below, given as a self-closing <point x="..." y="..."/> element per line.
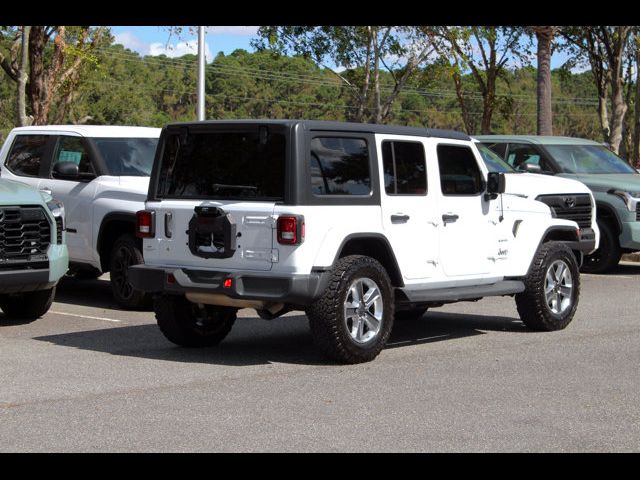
<point x="614" y="183"/>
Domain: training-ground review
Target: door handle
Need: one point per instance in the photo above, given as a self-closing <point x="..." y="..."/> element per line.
<point x="46" y="190"/>
<point x="400" y="218"/>
<point x="449" y="218"/>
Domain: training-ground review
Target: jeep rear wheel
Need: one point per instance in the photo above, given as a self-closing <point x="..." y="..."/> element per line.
<point x="552" y="291"/>
<point x="352" y="320"/>
<point x="192" y="325"/>
<point x="124" y="254"/>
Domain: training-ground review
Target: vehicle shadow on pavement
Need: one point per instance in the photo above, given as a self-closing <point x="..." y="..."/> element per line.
<point x="89" y="293"/>
<point x="254" y="341"/>
<point x="439" y="326"/>
<point x="627" y="268"/>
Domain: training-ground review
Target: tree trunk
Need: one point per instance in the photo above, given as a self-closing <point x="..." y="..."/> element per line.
<point x="21" y="100"/>
<point x="37" y="84"/>
<point x="544" y="36"/>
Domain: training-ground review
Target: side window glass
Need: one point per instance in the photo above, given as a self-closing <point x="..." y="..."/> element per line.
<point x="497" y="148"/>
<point x="340" y="166"/>
<point x="459" y="171"/>
<point x="522" y="154"/>
<point x="71" y="149"/>
<point x="26" y="154"/>
<point x="404" y="168"/>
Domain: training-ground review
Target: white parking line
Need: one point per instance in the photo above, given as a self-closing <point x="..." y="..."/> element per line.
<point x="593" y="275"/>
<point x="86" y="316"/>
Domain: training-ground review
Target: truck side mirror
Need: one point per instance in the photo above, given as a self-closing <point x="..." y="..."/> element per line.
<point x="496" y="183"/>
<point x="530" y="168"/>
<point x="66" y="170"/>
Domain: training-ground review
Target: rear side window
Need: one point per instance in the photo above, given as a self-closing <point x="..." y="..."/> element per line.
<point x="459" y="171"/>
<point x="404" y="168"/>
<point x="340" y="166"/>
<point x="27" y="154"/>
<point x="238" y="165"/>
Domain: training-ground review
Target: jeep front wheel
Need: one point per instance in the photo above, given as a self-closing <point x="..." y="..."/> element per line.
<point x="192" y="325"/>
<point x="550" y="299"/>
<point x="352" y="320"/>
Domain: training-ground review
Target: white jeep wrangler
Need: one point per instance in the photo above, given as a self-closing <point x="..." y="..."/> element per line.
<point x="354" y="224"/>
<point x="101" y="175"/>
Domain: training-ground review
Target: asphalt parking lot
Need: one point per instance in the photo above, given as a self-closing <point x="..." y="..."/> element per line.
<point x="466" y="377"/>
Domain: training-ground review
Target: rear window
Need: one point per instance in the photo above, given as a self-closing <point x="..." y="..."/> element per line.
<point x="223" y="165"/>
<point x="26" y="154"/>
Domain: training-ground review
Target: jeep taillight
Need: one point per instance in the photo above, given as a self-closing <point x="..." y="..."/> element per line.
<point x="145" y="224"/>
<point x="290" y="229"/>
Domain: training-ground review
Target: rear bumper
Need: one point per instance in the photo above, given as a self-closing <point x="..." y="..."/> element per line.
<point x="294" y="290"/>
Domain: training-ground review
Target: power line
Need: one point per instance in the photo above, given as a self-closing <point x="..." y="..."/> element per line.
<point x="309" y="79"/>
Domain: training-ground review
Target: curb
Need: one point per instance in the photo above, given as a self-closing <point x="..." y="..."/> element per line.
<point x="631" y="257"/>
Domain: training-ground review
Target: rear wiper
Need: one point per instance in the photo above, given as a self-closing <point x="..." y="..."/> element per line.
<point x="218" y="186"/>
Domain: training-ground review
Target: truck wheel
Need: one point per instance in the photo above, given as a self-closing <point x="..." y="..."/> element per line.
<point x="29" y="305"/>
<point x="552" y="289"/>
<point x="608" y="253"/>
<point x="191" y="325"/>
<point x="352" y="320"/>
<point x="125" y="253"/>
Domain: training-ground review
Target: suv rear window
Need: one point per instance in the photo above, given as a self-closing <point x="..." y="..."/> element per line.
<point x="237" y="165"/>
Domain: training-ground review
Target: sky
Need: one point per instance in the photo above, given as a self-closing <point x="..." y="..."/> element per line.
<point x="150" y="40"/>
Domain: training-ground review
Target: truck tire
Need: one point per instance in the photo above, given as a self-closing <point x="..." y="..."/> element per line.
<point x="125" y="253"/>
<point x="608" y="253"/>
<point x="552" y="290"/>
<point x="352" y="320"/>
<point x="191" y="325"/>
<point x="28" y="305"/>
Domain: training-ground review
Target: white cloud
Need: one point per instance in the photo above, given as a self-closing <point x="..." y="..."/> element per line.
<point x="130" y="41"/>
<point x="179" y="49"/>
<point x="232" y="30"/>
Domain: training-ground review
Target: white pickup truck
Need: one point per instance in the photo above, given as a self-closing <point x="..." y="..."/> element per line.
<point x="101" y="175"/>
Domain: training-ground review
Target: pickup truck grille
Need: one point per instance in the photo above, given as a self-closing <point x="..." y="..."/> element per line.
<point x="638" y="212"/>
<point x="570" y="207"/>
<point x="25" y="232"/>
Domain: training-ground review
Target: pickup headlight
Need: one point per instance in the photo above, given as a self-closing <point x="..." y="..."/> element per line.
<point x="631" y="199"/>
<point x="56" y="207"/>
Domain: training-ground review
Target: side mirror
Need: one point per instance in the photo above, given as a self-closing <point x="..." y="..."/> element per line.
<point x="66" y="170"/>
<point x="496" y="183"/>
<point x="530" y="168"/>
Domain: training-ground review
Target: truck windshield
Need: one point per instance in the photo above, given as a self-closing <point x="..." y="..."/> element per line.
<point x="237" y="165"/>
<point x="127" y="156"/>
<point x="493" y="162"/>
<point x="588" y="159"/>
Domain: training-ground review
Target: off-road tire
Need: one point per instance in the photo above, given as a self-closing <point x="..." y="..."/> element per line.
<point x="532" y="304"/>
<point x="327" y="320"/>
<point x="409" y="315"/>
<point x="125" y="253"/>
<point x="28" y="305"/>
<point x="608" y="253"/>
<point x="189" y="325"/>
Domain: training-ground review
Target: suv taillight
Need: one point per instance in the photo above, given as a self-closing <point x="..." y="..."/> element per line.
<point x="145" y="224"/>
<point x="290" y="229"/>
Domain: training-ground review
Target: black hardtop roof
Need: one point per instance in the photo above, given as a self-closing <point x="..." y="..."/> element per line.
<point x="333" y="126"/>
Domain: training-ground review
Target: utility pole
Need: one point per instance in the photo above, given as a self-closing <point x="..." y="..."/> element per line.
<point x="201" y="63"/>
